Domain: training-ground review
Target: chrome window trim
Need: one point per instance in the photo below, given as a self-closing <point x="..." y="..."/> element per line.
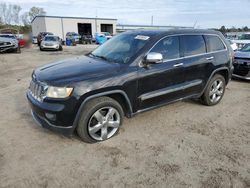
<point x="196" y="55"/>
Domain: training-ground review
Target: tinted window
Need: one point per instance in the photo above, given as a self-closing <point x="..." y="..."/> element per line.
<point x="193" y="45"/>
<point x="168" y="47"/>
<point x="214" y="43"/>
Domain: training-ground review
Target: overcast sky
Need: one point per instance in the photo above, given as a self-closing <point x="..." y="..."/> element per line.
<point x="207" y="13"/>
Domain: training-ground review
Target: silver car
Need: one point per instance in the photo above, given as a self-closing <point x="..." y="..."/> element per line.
<point x="8" y="43"/>
<point x="51" y="42"/>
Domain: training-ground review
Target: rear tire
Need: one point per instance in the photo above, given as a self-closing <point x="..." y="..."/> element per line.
<point x="100" y="120"/>
<point x="214" y="91"/>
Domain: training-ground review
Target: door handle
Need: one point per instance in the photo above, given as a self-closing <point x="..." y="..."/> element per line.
<point x="178" y="65"/>
<point x="210" y="58"/>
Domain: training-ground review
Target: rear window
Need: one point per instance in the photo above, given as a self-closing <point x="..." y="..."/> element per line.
<point x="193" y="45"/>
<point x="214" y="43"/>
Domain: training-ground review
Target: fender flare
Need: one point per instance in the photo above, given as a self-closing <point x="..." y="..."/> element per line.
<point x="211" y="76"/>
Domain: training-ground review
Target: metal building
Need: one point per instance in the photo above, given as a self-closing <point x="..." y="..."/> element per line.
<point x="61" y="25"/>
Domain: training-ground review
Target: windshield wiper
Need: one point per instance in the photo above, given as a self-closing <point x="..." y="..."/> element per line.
<point x="99" y="56"/>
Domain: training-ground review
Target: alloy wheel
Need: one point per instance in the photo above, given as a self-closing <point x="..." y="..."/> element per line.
<point x="104" y="123"/>
<point x="216" y="91"/>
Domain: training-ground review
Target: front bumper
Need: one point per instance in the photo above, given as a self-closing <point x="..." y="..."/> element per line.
<point x="62" y="123"/>
<point x="242" y="70"/>
<point x="54" y="47"/>
<point x="67" y="131"/>
<point x="8" y="48"/>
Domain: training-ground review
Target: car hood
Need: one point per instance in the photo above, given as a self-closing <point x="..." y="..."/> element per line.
<point x="240" y="54"/>
<point x="75" y="69"/>
<point x="5" y="39"/>
<point x="50" y="42"/>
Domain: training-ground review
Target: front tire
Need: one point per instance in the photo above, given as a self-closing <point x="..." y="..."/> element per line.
<point x="215" y="91"/>
<point x="18" y="50"/>
<point x="100" y="120"/>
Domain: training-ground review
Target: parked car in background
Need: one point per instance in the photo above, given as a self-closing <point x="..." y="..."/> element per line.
<point x="242" y="63"/>
<point x="11" y="36"/>
<point x="86" y="39"/>
<point x="242" y="40"/>
<point x="41" y="35"/>
<point x="34" y="40"/>
<point x="73" y="35"/>
<point x="9" y="43"/>
<point x="100" y="38"/>
<point x="107" y="35"/>
<point x="133" y="72"/>
<point x="233" y="45"/>
<point x="51" y="42"/>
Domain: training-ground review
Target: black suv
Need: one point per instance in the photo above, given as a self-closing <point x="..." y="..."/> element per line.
<point x="133" y="72"/>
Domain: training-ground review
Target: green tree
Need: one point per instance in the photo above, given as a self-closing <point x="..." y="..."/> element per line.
<point x="27" y="17"/>
<point x="245" y="28"/>
<point x="223" y="29"/>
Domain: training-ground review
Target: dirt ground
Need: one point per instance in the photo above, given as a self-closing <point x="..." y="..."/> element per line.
<point x="184" y="144"/>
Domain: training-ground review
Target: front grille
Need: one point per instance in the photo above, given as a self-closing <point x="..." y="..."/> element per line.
<point x="37" y="90"/>
<point x="48" y="44"/>
<point x="242" y="58"/>
<point x="4" y="43"/>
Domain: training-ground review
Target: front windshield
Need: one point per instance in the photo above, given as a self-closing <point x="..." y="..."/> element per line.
<point x="245" y="48"/>
<point x="50" y="39"/>
<point x="121" y="48"/>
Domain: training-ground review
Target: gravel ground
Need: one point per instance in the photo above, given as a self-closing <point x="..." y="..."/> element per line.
<point x="184" y="144"/>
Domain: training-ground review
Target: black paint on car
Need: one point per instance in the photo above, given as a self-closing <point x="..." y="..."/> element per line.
<point x="131" y="73"/>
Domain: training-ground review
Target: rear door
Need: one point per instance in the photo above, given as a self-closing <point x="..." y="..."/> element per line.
<point x="197" y="63"/>
<point x="216" y="49"/>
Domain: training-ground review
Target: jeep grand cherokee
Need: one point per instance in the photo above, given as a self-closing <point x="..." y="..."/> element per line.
<point x="131" y="73"/>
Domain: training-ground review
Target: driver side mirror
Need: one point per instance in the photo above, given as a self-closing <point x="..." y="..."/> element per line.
<point x="153" y="57"/>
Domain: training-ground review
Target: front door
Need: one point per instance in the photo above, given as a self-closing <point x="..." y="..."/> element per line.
<point x="163" y="82"/>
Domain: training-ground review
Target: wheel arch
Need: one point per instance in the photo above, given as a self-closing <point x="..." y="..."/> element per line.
<point x="119" y="95"/>
<point x="224" y="71"/>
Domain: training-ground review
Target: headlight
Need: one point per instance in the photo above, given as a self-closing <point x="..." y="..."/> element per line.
<point x="58" y="92"/>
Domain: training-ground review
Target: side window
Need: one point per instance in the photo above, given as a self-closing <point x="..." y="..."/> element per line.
<point x="168" y="47"/>
<point x="193" y="45"/>
<point x="214" y="43"/>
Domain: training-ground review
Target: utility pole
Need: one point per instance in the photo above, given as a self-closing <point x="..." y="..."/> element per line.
<point x="195" y="24"/>
<point x="152" y="20"/>
<point x="96" y="20"/>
